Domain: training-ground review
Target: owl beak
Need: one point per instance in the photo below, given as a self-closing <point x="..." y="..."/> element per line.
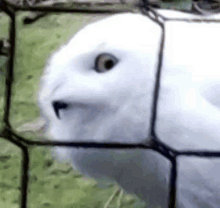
<point x="57" y="106"/>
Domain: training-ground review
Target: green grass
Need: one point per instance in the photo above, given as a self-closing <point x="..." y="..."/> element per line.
<point x="51" y="184"/>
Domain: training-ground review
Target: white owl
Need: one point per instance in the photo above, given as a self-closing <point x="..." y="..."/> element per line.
<point x="99" y="87"/>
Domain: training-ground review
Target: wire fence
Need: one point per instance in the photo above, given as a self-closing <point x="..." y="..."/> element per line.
<point x="24" y="144"/>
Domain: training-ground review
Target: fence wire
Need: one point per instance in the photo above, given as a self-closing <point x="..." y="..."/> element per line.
<point x="24" y="144"/>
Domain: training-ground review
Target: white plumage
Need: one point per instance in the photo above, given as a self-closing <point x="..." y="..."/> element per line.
<point x="116" y="104"/>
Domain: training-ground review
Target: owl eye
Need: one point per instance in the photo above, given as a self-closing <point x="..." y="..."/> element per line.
<point x="104" y="62"/>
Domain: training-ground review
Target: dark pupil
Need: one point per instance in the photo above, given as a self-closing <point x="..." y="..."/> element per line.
<point x="109" y="64"/>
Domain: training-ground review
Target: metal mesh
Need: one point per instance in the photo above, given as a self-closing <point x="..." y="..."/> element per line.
<point x="24" y="144"/>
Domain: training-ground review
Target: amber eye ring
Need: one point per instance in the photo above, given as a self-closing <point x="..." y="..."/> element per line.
<point x="105" y="62"/>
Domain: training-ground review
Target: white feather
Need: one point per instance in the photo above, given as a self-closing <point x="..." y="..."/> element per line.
<point x="117" y="105"/>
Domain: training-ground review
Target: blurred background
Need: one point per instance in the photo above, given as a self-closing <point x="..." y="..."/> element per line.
<point x="38" y="35"/>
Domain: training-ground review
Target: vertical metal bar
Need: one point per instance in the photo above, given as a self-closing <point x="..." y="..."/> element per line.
<point x="157" y="82"/>
<point x="172" y="188"/>
<point x="10" y="70"/>
<point x="24" y="177"/>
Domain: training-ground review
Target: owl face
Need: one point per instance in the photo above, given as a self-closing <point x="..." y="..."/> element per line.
<point x="99" y="86"/>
